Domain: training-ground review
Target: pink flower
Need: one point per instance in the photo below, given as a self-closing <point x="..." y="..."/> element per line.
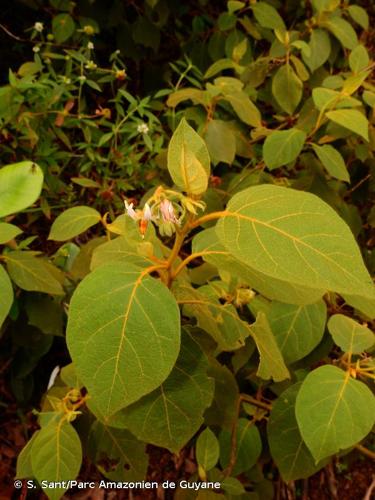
<point x="167" y="212"/>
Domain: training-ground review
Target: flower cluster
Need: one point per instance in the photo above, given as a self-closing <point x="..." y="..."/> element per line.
<point x="162" y="213"/>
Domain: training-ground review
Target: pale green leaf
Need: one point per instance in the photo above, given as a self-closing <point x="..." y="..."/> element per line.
<point x="359" y="59"/>
<point x="207" y="449"/>
<point x="296" y="237"/>
<point x="122" y="324"/>
<point x="343" y="31"/>
<point x="124" y="455"/>
<point x="282" y="147"/>
<point x="216" y="67"/>
<point x="359" y="15"/>
<point x="366" y="305"/>
<point x="297" y="329"/>
<point x="32" y="273"/>
<point x="351" y="119"/>
<point x="221" y="141"/>
<point x="287" y="88"/>
<point x="244" y="107"/>
<point x="325" y="5"/>
<point x="122" y="249"/>
<point x="207" y="243"/>
<point x="332" y="161"/>
<point x="349" y="335"/>
<point x="188" y="160"/>
<point x="24" y="467"/>
<point x="73" y="222"/>
<point x="267" y="16"/>
<point x="248" y="446"/>
<point x="8" y="232"/>
<point x="288" y="450"/>
<point x="20" y="186"/>
<point x="326" y="99"/>
<point x="56" y="455"/>
<point x="195" y="95"/>
<point x="171" y="414"/>
<point x="334" y="411"/>
<point x="320" y="49"/>
<point x="271" y="363"/>
<point x="6" y="296"/>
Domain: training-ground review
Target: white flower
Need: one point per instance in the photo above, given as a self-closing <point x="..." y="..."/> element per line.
<point x="142" y="128"/>
<point x="66" y="80"/>
<point x="38" y="27"/>
<point x="36" y="49"/>
<point x="147" y="214"/>
<point x="91" y="65"/>
<point x="53" y="376"/>
<point x="130" y="210"/>
<point x="167" y="212"/>
<point x="90" y="45"/>
<point x="82" y="78"/>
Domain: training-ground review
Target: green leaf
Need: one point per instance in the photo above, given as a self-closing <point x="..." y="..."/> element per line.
<point x="216" y="67"/>
<point x="267" y="16"/>
<point x="351" y="119"/>
<point x="132" y="322"/>
<point x="32" y="273"/>
<point x="271" y="364"/>
<point x="45" y="313"/>
<point x="56" y="455"/>
<point x="24" y="468"/>
<point x="20" y="186"/>
<point x="287" y="88"/>
<point x="8" y="232"/>
<point x="244" y="107"/>
<point x="334" y="411"/>
<point x="297" y="329"/>
<point x="320" y="48"/>
<point x="365" y="305"/>
<point x="188" y="160"/>
<point x="117" y="454"/>
<point x="6" y="296"/>
<point x="288" y="450"/>
<point x="296" y="237"/>
<point x="282" y="147"/>
<point x="327" y="98"/>
<point x="220" y="321"/>
<point x="195" y="95"/>
<point x="121" y="249"/>
<point x="359" y="59"/>
<point x="248" y="446"/>
<point x="62" y="27"/>
<point x="73" y="222"/>
<point x="349" y="335"/>
<point x="207" y="449"/>
<point x="207" y="243"/>
<point x="359" y="15"/>
<point x="171" y="414"/>
<point x="343" y="31"/>
<point x="221" y="141"/>
<point x="332" y="161"/>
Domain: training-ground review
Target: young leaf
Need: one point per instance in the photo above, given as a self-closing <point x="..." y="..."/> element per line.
<point x="334" y="411"/>
<point x="332" y="161"/>
<point x="297" y="329"/>
<point x="56" y="455"/>
<point x="244" y="107"/>
<point x="133" y="321"/>
<point x="188" y="160"/>
<point x="359" y="15"/>
<point x="359" y="59"/>
<point x="6" y="296"/>
<point x="124" y="455"/>
<point x="171" y="414"/>
<point x="351" y="119"/>
<point x="221" y="141"/>
<point x="284" y="233"/>
<point x="349" y="335"/>
<point x="8" y="232"/>
<point x="271" y="364"/>
<point x="248" y="446"/>
<point x="20" y="186"/>
<point x="288" y="450"/>
<point x="320" y="49"/>
<point x="267" y="16"/>
<point x="24" y="467"/>
<point x="343" y="31"/>
<point x="32" y="273"/>
<point x="207" y="243"/>
<point x="207" y="449"/>
<point x="287" y="88"/>
<point x="73" y="222"/>
<point x="121" y="249"/>
<point x="282" y="147"/>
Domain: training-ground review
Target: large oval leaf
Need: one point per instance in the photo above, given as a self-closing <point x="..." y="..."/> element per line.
<point x="294" y="236"/>
<point x="334" y="411"/>
<point x="349" y="335"/>
<point x="73" y="222"/>
<point x="188" y="160"/>
<point x="123" y="334"/>
<point x="282" y="147"/>
<point x="6" y="296"/>
<point x="20" y="186"/>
